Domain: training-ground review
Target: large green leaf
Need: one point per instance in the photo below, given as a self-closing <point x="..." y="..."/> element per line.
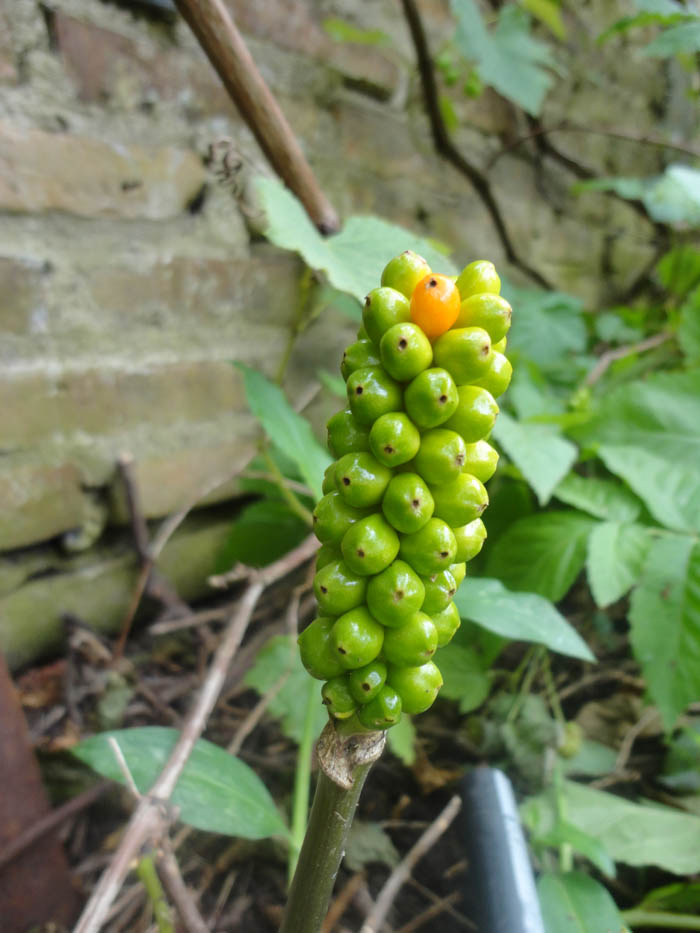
<point x="508" y="58"/>
<point x="548" y="327"/>
<point x="603" y="498"/>
<point x="289" y="431"/>
<point x="520" y="616"/>
<point x="575" y="903"/>
<point x="685" y="37"/>
<point x="673" y="197"/>
<point x="262" y="532"/>
<point x="278" y="667"/>
<point x="616" y="555"/>
<point x="689" y="327"/>
<point x="634" y="833"/>
<point x="670" y="489"/>
<point x="463" y="676"/>
<point x="542" y="553"/>
<point x="564" y="833"/>
<point x="352" y="259"/>
<point x="216" y="792"/>
<point x="541" y="455"/>
<point x="665" y="618"/>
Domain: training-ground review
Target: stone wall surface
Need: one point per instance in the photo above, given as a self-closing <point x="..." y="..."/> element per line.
<point x="129" y="278"/>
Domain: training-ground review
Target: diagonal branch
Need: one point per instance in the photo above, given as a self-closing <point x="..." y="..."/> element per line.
<point x="447" y="149"/>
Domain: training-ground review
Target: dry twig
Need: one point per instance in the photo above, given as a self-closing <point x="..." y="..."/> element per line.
<point x="619" y="353"/>
<point x="172" y="879"/>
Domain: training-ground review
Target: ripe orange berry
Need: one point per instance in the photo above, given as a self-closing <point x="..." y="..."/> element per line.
<point x="435" y="304"/>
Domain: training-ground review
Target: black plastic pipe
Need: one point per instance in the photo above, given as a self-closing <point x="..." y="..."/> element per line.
<point x="501" y="894"/>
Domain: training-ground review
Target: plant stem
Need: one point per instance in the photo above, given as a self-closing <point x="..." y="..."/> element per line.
<point x="292" y="501"/>
<point x="302" y="779"/>
<point x="659" y="918"/>
<point x="146" y="870"/>
<point x="331" y="816"/>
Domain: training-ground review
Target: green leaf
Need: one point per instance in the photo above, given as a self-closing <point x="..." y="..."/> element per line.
<point x="689" y="328"/>
<point x="575" y="903"/>
<point x="682" y="896"/>
<point x="216" y="792"/>
<point x="679" y="270"/>
<point x="566" y="833"/>
<point x="541" y="455"/>
<point x="632" y="189"/>
<point x="547" y="12"/>
<point x="548" y="327"/>
<point x="521" y="616"/>
<point x="616" y="555"/>
<point x="670" y="490"/>
<point x="278" y="661"/>
<point x="288" y="430"/>
<point x="665" y="620"/>
<point x="673" y="197"/>
<point x="368" y="843"/>
<point x="603" y="498"/>
<point x="262" y="532"/>
<point x="401" y="740"/>
<point x="352" y="259"/>
<point x="342" y="31"/>
<point x="592" y="760"/>
<point x="508" y="58"/>
<point x="543" y="553"/>
<point x="684" y="37"/>
<point x="463" y="677"/>
<point x="640" y="834"/>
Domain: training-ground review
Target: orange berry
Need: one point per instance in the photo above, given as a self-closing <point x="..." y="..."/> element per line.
<point x="435" y="304"/>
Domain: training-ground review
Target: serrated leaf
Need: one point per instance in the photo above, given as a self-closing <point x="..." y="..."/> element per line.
<point x="520" y="616"/>
<point x="616" y="555"/>
<point x="508" y="58"/>
<point x="602" y="498"/>
<point x="288" y="430"/>
<point x="352" y="259"/>
<point x="665" y="619"/>
<point x="583" y="843"/>
<point x="669" y="489"/>
<point x="262" y="532"/>
<point x="279" y="659"/>
<point x="542" y="553"/>
<point x="216" y="792"/>
<point x="640" y="834"/>
<point x="541" y="455"/>
<point x="548" y="327"/>
<point x="464" y="679"/>
<point x="576" y="903"/>
<point x="401" y="740"/>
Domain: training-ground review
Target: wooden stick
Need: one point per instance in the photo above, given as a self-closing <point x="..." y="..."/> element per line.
<point x="213" y="26"/>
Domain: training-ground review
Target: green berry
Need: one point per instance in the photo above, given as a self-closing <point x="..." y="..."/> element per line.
<point x="395" y="594"/>
<point x="417" y="686"/>
<point x="470" y="539"/>
<point x="464" y="352"/>
<point x="412" y="644"/>
<point x="361" y="479"/>
<point x="362" y="333"/>
<point x="474" y="415"/>
<point x="333" y="516"/>
<point x="407" y="503"/>
<point x="356" y="638"/>
<point x="431" y="549"/>
<point x="338" y="589"/>
<point x="345" y="434"/>
<point x="327" y="553"/>
<point x="328" y="484"/>
<point x="405" y="271"/>
<point x="337" y="698"/>
<point x="405" y="351"/>
<point x="461" y="500"/>
<point x="383" y="711"/>
<point x="446" y="624"/>
<point x="458" y="571"/>
<point x="479" y="276"/>
<point x="500" y="345"/>
<point x="440" y="589"/>
<point x="481" y="460"/>
<point x="394" y="439"/>
<point x="317" y="653"/>
<point x="497" y="378"/>
<point x="431" y="398"/>
<point x="441" y="456"/>
<point x="491" y="312"/>
<point x="359" y="354"/>
<point x="383" y="308"/>
<point x="370" y="545"/>
<point x="371" y="393"/>
<point x="366" y="682"/>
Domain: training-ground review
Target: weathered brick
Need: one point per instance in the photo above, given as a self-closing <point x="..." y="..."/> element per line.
<point x="37" y="501"/>
<point x="22" y="295"/>
<point x="86" y="176"/>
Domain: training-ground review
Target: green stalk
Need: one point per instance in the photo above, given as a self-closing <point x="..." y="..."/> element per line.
<point x="659" y="918"/>
<point x="302" y="779"/>
<point x="146" y="870"/>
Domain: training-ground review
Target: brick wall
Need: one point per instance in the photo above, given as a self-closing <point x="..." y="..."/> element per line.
<point x="128" y="276"/>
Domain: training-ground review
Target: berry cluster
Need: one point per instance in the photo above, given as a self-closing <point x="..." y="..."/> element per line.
<point x="401" y="511"/>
